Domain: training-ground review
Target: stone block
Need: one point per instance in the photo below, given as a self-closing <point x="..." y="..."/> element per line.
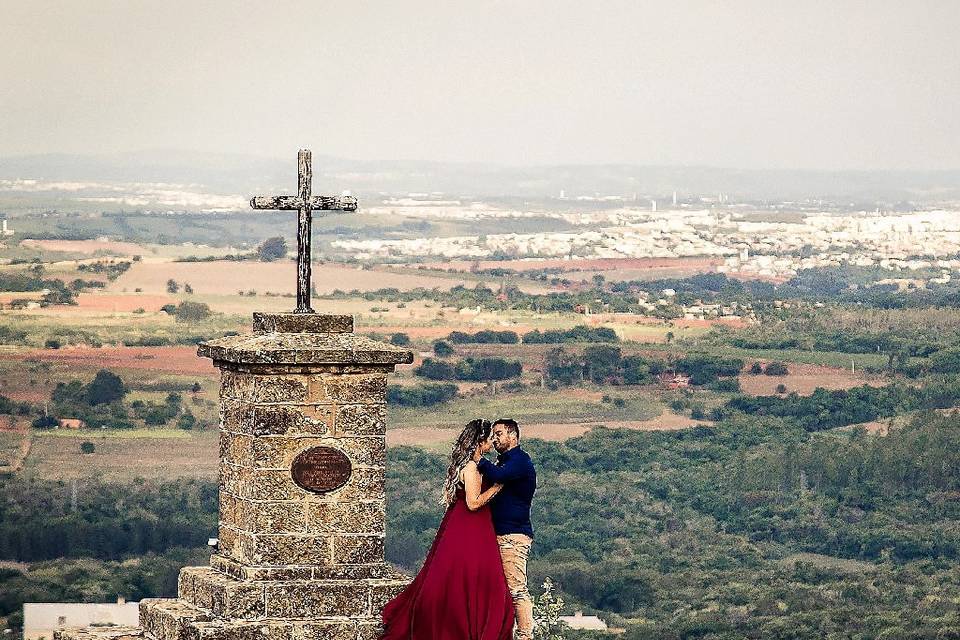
<point x="292" y="420"/>
<point x="361" y="420"/>
<point x="278" y="452"/>
<point x="279" y="389"/>
<point x="170" y="619"/>
<point x="358" y="549"/>
<point x="284" y="549"/>
<point x="227" y="597"/>
<point x="364" y="451"/>
<point x="346" y="517"/>
<point x="364" y="484"/>
<point x="317" y="599"/>
<point x="235" y="448"/>
<point x="271" y="517"/>
<point x="331" y="630"/>
<point x="235" y="386"/>
<point x="383" y="591"/>
<point x="228" y="540"/>
<point x="230" y="477"/>
<point x="236" y="416"/>
<point x="242" y="630"/>
<point x="268" y="484"/>
<point x="369" y="388"/>
<point x="99" y="633"/>
<point x="371" y="630"/>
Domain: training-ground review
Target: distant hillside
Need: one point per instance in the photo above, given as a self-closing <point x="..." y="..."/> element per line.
<point x="243" y="174"/>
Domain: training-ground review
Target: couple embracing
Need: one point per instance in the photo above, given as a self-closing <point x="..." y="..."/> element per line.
<point x="473" y="582"/>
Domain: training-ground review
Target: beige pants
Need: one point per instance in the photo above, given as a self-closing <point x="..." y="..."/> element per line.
<point x="514" y="549"/>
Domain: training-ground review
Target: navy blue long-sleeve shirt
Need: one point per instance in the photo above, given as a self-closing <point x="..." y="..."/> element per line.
<point x="510" y="508"/>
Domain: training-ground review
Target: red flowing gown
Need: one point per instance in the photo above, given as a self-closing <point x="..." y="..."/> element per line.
<point x="461" y="592"/>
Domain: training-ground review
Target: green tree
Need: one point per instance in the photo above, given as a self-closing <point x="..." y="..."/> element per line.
<point x="87" y="447"/>
<point x="105" y="388"/>
<point x="272" y="249"/>
<point x="602" y="362"/>
<point x="442" y="349"/>
<point x="562" y="367"/>
<point x="400" y="339"/>
<point x="776" y="368"/>
<point x="172" y="286"/>
<point x="188" y="311"/>
<point x="186" y="421"/>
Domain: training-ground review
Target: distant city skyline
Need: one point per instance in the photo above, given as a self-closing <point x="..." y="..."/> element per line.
<point x="744" y="84"/>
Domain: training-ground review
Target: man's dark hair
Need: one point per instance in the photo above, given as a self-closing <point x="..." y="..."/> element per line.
<point x="511" y="425"/>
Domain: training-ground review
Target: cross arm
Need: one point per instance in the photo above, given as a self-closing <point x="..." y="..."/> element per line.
<point x="294" y="203"/>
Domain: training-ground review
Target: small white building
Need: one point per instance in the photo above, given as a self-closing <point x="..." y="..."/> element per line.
<point x="41" y="619"/>
<point x="589" y="623"/>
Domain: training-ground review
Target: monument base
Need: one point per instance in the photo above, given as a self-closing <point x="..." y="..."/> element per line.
<point x="302" y="508"/>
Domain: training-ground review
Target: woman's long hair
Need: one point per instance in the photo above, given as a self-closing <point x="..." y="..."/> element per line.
<point x="470" y="438"/>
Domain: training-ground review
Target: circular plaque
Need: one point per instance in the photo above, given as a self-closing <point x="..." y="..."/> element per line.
<point x="321" y="469"/>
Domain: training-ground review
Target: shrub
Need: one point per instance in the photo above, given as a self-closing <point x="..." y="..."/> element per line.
<point x="424" y="395"/>
<point x="725" y="384"/>
<point x="484" y="337"/>
<point x="400" y="339"/>
<point x="756" y="368"/>
<point x="87" y="447"/>
<point x="580" y="333"/>
<point x="52" y="343"/>
<point x="45" y="422"/>
<point x="442" y="349"/>
<point x="435" y="370"/>
<point x="105" y="388"/>
<point x="186" y="421"/>
<point x="188" y="311"/>
<point x="776" y="369"/>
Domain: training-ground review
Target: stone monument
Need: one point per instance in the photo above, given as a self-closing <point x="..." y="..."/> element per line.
<point x="300" y="552"/>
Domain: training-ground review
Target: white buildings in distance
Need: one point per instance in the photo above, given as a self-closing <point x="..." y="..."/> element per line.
<point x="896" y="242"/>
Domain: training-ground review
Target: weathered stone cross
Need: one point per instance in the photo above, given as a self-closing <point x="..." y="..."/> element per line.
<point x="305" y="203"/>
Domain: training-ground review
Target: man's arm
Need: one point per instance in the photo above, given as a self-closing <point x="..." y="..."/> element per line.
<point x="513" y="469"/>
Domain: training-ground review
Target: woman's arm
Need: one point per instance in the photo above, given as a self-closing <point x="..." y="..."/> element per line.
<point x="487" y="495"/>
<point x="472" y="482"/>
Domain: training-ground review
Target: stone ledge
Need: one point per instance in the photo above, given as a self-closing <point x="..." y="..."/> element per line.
<point x="99" y="633"/>
<point x="170" y="618"/>
<point x="204" y="591"/>
<point x="303" y="349"/>
<point x="240" y="571"/>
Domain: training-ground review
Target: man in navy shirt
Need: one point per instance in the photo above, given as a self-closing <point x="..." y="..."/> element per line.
<point x="511" y="515"/>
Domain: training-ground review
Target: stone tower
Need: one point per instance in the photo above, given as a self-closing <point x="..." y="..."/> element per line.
<point x="302" y="465"/>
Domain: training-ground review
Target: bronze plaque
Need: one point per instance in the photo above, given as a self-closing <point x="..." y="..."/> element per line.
<point x="321" y="469"/>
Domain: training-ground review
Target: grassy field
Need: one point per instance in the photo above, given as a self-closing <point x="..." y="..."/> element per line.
<point x="122" y="455"/>
<point x="569" y="406"/>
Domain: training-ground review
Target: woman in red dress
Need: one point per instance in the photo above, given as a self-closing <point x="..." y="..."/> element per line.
<point x="460" y="592"/>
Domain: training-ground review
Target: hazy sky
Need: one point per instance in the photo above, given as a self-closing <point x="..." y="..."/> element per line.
<point x="766" y="84"/>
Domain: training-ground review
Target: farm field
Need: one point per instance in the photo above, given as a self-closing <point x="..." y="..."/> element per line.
<point x="104" y="247"/>
<point x="279" y="277"/>
<point x="529" y="407"/>
<point x="804" y="378"/>
<point x="439" y="440"/>
<point x="123" y="455"/>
